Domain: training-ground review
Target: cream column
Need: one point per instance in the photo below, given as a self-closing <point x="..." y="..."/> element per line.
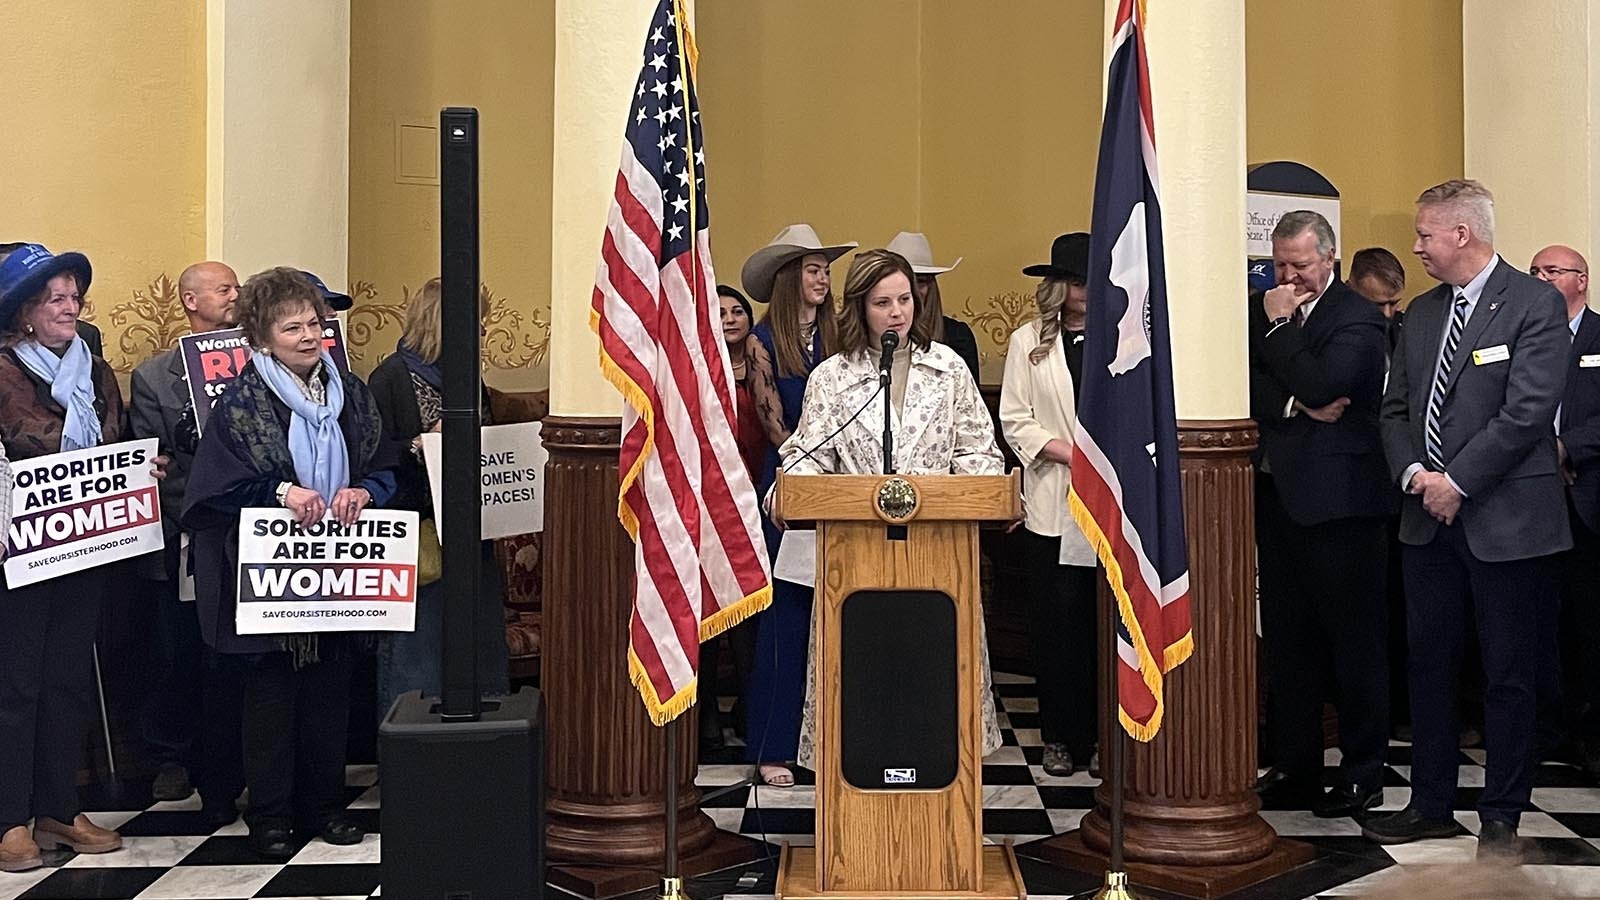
<point x="597" y="61"/>
<point x="1191" y="811"/>
<point x="1196" y="52"/>
<point x="278" y="135"/>
<point x="1530" y="72"/>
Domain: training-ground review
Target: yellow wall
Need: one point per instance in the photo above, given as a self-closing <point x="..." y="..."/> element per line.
<point x="104" y="152"/>
<point x="917" y="115"/>
<point x="406" y="61"/>
<point x="1368" y="92"/>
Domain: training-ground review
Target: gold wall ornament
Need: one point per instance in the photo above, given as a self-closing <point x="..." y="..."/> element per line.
<point x="366" y="319"/>
<point x="1004" y="313"/>
<point x="151" y="322"/>
<point x="507" y="341"/>
<point x="505" y="345"/>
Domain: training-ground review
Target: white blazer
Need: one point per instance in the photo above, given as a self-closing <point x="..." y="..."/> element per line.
<point x="1036" y="405"/>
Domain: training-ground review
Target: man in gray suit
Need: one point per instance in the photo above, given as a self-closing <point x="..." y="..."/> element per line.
<point x="1467" y="430"/>
<point x="193" y="718"/>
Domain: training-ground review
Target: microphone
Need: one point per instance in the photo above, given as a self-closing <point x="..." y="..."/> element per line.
<point x="891" y="340"/>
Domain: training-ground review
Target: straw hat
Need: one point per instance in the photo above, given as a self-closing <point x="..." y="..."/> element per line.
<point x="913" y="245"/>
<point x="790" y="244"/>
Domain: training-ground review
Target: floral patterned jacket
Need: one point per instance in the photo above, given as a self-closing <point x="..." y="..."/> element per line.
<point x="944" y="426"/>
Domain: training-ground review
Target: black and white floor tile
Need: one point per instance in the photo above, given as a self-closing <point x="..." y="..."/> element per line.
<point x="170" y="855"/>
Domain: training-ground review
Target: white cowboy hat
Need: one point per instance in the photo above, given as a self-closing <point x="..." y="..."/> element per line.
<point x="913" y="245"/>
<point x="790" y="244"/>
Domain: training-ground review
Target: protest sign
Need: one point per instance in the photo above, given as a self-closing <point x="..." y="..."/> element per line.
<point x="512" y="479"/>
<point x="80" y="509"/>
<point x="327" y="577"/>
<point x="213" y="359"/>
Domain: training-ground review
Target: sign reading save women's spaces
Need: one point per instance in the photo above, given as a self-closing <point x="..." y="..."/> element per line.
<point x="326" y="576"/>
<point x="511" y="478"/>
<point x="80" y="509"/>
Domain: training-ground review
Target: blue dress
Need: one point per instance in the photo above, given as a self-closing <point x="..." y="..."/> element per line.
<point x="777" y="690"/>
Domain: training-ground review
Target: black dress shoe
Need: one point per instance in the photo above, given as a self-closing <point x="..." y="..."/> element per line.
<point x="1347" y="800"/>
<point x="1270" y="779"/>
<point x="1280" y="790"/>
<point x="1409" y="825"/>
<point x="219" y="813"/>
<point x="172" y="783"/>
<point x="343" y="832"/>
<point x="1498" y="843"/>
<point x="272" y="843"/>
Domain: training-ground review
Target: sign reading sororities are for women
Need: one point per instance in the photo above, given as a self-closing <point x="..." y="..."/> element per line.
<point x="80" y="509"/>
<point x="327" y="577"/>
<point x="213" y="359"/>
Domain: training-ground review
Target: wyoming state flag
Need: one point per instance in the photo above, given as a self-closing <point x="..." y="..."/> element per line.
<point x="1125" y="486"/>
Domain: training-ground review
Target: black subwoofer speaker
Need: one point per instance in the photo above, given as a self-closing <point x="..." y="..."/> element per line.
<point x="897" y="695"/>
<point x="463" y="802"/>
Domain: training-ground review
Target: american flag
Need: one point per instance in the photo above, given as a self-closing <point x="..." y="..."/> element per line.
<point x="1126" y="493"/>
<point x="685" y="498"/>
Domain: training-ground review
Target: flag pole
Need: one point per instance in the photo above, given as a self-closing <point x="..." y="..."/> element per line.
<point x="671" y="882"/>
<point x="1116" y="886"/>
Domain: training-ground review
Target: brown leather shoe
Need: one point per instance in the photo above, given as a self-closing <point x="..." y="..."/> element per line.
<point x="83" y="836"/>
<point x="18" y="852"/>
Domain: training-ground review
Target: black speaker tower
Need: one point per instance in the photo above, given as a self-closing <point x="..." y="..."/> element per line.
<point x="462" y="775"/>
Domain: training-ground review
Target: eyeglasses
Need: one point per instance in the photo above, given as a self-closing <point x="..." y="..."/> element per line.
<point x="1551" y="271"/>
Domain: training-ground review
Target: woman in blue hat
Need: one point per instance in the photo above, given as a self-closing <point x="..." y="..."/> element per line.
<point x="54" y="396"/>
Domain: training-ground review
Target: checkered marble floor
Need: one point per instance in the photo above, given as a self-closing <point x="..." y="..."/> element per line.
<point x="170" y="855"/>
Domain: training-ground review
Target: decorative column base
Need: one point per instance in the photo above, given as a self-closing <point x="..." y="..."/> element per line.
<point x="606" y="785"/>
<point x="1192" y="818"/>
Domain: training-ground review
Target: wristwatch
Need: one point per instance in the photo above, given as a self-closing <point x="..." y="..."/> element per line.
<point x="282" y="493"/>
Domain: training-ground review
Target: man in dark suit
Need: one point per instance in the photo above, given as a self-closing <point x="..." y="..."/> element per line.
<point x="1578" y="450"/>
<point x="1377" y="275"/>
<point x="1316" y="379"/>
<point x="1468" y="431"/>
<point x="192" y="719"/>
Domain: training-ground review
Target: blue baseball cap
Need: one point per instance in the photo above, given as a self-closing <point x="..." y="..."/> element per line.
<point x="336" y="301"/>
<point x="26" y="270"/>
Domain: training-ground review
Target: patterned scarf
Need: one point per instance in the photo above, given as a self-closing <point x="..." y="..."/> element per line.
<point x="71" y="380"/>
<point x="316" y="444"/>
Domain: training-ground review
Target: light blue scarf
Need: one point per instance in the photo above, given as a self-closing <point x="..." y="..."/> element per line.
<point x="71" y="380"/>
<point x="321" y="461"/>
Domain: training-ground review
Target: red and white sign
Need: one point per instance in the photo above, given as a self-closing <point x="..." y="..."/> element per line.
<point x="80" y="509"/>
<point x="327" y="577"/>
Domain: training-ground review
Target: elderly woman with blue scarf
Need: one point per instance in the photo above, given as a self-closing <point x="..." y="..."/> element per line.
<point x="407" y="386"/>
<point x="290" y="431"/>
<point x="54" y="396"/>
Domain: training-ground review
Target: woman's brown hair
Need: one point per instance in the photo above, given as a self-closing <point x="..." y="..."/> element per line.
<point x="866" y="270"/>
<point x="269" y="296"/>
<point x="931" y="311"/>
<point x="421" y="330"/>
<point x="783" y="317"/>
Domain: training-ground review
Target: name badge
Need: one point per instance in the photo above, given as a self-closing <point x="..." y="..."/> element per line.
<point x="1589" y="361"/>
<point x="1497" y="353"/>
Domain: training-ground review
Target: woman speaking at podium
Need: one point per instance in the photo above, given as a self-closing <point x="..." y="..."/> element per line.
<point x="939" y="422"/>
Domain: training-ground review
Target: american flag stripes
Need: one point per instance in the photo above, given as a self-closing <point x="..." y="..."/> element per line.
<point x="684" y="496"/>
<point x="1126" y="493"/>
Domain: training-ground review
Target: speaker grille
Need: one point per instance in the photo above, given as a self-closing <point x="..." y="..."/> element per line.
<point x="898" y="694"/>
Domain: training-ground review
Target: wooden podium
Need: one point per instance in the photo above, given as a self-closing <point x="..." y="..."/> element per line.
<point x="898" y="533"/>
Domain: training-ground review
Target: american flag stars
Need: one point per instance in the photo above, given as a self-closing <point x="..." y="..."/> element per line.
<point x="665" y="120"/>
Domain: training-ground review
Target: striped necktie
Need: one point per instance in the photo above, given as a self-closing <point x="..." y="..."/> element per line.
<point x="1431" y="435"/>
